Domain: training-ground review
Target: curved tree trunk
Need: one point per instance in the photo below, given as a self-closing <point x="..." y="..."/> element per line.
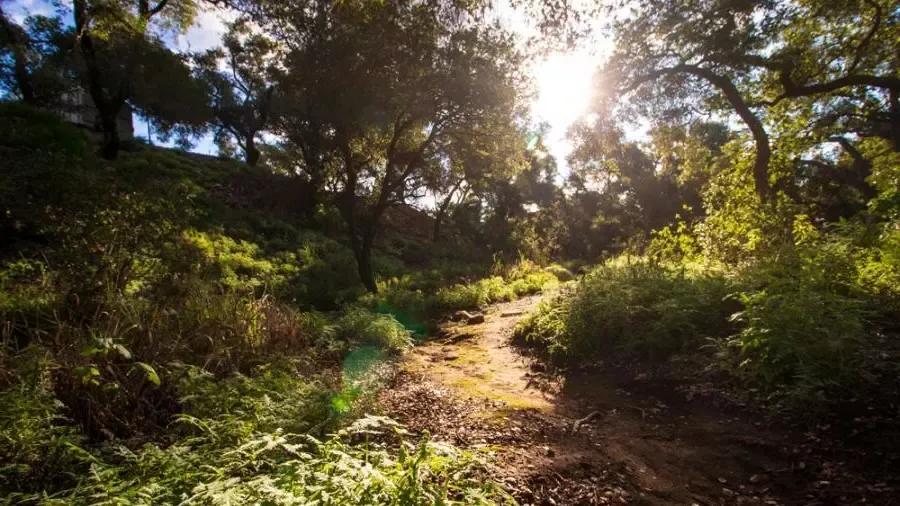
<point x="757" y="130"/>
<point x="740" y="106"/>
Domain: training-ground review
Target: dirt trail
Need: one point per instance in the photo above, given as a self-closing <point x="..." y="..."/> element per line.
<point x="638" y="441"/>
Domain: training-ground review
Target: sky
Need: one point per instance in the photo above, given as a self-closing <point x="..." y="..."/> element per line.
<point x="562" y="79"/>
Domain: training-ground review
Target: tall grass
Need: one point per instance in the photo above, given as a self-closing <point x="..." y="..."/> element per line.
<point x="800" y="325"/>
<point x="630" y="305"/>
<point x="417" y="301"/>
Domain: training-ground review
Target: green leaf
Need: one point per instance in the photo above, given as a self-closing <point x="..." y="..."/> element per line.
<point x="87" y="373"/>
<point x="123" y="351"/>
<point x="149" y="373"/>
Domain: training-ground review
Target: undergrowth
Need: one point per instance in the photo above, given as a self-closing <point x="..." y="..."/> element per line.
<point x="169" y="336"/>
<point x="244" y="439"/>
<point x="800" y="326"/>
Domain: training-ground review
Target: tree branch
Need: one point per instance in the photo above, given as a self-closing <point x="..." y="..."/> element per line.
<point x="733" y="95"/>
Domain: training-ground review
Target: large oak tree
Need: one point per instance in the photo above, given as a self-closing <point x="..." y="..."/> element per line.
<point x="385" y="94"/>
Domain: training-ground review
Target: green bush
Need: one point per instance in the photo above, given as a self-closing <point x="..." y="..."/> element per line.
<point x="533" y="283"/>
<point x="426" y="296"/>
<point x="381" y="330"/>
<point x="561" y="273"/>
<point x="801" y="323"/>
<point x="546" y="328"/>
<point x="878" y="271"/>
<point x="38" y="446"/>
<point x="242" y="439"/>
<point x="647" y="308"/>
<point x="794" y="336"/>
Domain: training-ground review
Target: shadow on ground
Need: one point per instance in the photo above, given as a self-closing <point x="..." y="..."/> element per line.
<point x="606" y="436"/>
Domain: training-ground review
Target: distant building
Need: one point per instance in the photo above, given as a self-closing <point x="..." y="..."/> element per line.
<point x="79" y="110"/>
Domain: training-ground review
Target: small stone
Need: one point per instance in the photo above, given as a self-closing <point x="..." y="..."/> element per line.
<point x="476" y="318"/>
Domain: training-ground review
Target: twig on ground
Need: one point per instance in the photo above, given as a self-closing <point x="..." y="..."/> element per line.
<point x="586" y="419"/>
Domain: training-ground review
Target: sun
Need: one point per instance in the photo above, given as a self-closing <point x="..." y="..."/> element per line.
<point x="564" y="86"/>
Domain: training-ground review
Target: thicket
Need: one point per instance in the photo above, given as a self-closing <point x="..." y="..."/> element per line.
<point x="165" y="338"/>
<point x="803" y="310"/>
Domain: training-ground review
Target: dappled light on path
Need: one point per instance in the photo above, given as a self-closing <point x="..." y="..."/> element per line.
<point x="478" y="361"/>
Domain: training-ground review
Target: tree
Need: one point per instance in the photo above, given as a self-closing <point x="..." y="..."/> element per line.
<point x="166" y="92"/>
<point x="14" y="39"/>
<point x="32" y="59"/>
<point x="241" y="76"/>
<point x="747" y="57"/>
<point x="477" y="160"/>
<point x="404" y="85"/>
<point x="107" y="37"/>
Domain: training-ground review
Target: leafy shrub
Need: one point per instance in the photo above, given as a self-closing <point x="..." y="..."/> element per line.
<point x="473" y="295"/>
<point x="647" y="308"/>
<point x="798" y="337"/>
<point x="546" y="327"/>
<point x="381" y="330"/>
<point x="533" y="283"/>
<point x="39" y="131"/>
<point x="415" y="300"/>
<point x="242" y="439"/>
<point x="561" y="273"/>
<point x="878" y="270"/>
<point x="37" y="445"/>
<point x="630" y="305"/>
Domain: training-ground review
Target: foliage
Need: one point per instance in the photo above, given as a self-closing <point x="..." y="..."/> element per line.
<point x="634" y="305"/>
<point x="415" y="301"/>
<point x="381" y="94"/>
<point x="38" y="447"/>
<point x="801" y="323"/>
<point x="378" y="330"/>
<point x="239" y="77"/>
<point x="562" y="274"/>
<point x="246" y="438"/>
<point x="795" y="335"/>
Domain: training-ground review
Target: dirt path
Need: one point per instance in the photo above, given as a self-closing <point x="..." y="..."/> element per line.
<point x="593" y="438"/>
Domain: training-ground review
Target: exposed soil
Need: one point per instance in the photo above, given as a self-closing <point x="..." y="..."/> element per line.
<point x="611" y="435"/>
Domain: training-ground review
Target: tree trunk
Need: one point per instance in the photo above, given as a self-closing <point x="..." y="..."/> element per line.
<point x="364" y="261"/>
<point x="362" y="235"/>
<point x="251" y="153"/>
<point x="111" y="142"/>
<point x="108" y="106"/>
<point x="442" y="212"/>
<point x="436" y="233"/>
